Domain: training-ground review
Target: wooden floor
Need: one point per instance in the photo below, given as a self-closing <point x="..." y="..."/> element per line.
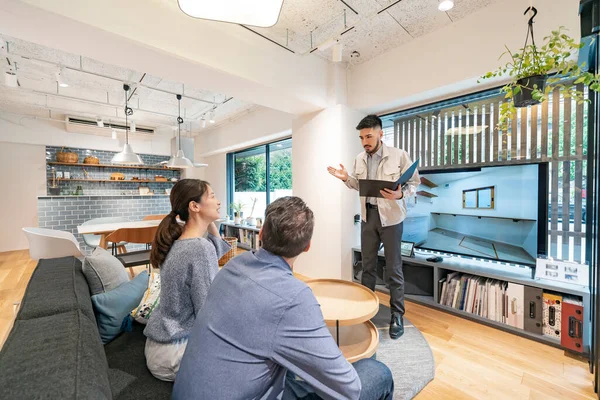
<point x="473" y="361"/>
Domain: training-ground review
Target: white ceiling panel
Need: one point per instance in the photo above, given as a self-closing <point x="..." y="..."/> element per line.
<point x="100" y="68"/>
<point x="419" y="17"/>
<point x="159" y="83"/>
<point x="305" y="16"/>
<point x="462" y="8"/>
<point x="374" y="37"/>
<point x="32" y="50"/>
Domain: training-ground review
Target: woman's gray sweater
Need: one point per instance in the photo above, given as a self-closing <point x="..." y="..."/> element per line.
<point x="185" y="277"/>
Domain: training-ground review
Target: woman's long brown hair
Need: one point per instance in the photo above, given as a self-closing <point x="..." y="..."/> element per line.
<point x="169" y="230"/>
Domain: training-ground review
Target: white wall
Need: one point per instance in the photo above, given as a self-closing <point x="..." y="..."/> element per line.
<point x="261" y="125"/>
<point x="319" y="140"/>
<point x="22" y="180"/>
<point x="448" y="61"/>
<point x="19" y="129"/>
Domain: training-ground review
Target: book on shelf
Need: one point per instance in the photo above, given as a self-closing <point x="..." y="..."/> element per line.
<point x="516" y="305"/>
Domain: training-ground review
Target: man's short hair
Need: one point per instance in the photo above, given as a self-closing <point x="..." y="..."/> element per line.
<point x="288" y="227"/>
<point x="370" y="121"/>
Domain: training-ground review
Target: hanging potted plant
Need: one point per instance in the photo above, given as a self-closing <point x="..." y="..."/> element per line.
<point x="536" y="71"/>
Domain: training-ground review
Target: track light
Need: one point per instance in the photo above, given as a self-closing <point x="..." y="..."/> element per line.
<point x="212" y="117"/>
<point x="60" y="79"/>
<point x="203" y="122"/>
<point x="10" y="79"/>
<point x="100" y="123"/>
<point x="446" y="5"/>
<point x="132" y="126"/>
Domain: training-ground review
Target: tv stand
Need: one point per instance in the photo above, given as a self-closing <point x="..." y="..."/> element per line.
<point x="422" y="286"/>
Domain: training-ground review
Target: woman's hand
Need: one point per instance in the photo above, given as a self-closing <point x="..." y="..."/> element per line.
<point x="212" y="229"/>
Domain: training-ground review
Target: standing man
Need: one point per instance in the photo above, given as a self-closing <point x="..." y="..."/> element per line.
<point x="381" y="217"/>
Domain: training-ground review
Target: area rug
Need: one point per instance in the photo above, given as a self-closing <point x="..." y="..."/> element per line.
<point x="409" y="358"/>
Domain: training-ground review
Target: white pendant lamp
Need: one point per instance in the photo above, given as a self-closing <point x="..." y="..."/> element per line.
<point x="179" y="160"/>
<point x="127" y="156"/>
<point x="263" y="13"/>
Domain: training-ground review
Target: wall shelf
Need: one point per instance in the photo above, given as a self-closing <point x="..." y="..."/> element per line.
<point x="515" y="274"/>
<point x="428" y="183"/>
<point x="426" y="194"/>
<point x="114" y="166"/>
<point x="111" y="180"/>
<point x="514" y="219"/>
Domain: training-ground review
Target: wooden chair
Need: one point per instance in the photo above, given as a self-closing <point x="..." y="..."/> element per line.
<point x="154" y="217"/>
<point x="133" y="235"/>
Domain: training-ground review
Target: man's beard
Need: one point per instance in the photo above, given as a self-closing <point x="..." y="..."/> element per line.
<point x="373" y="151"/>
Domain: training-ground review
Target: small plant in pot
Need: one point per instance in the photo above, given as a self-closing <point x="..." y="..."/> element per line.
<point x="536" y="71"/>
<point x="236" y="208"/>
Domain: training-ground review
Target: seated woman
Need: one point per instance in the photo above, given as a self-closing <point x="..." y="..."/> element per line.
<point x="188" y="263"/>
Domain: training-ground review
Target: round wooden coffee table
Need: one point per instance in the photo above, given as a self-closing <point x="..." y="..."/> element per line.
<point x="347" y="308"/>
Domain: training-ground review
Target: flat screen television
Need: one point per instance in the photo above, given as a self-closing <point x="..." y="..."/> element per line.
<point x="497" y="212"/>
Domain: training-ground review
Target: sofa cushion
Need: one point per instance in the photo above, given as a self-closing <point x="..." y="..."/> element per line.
<point x="129" y="376"/>
<point x="56" y="357"/>
<point x="112" y="307"/>
<point x="56" y="286"/>
<point x="103" y="271"/>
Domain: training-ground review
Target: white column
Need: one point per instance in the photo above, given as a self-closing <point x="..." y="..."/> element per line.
<point x="321" y="139"/>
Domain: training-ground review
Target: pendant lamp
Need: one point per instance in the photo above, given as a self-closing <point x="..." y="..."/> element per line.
<point x="127" y="156"/>
<point x="179" y="160"/>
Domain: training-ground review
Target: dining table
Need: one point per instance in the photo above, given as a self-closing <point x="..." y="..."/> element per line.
<point x="106" y="229"/>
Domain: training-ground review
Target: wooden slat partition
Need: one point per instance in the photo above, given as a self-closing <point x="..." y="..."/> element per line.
<point x="534" y="134"/>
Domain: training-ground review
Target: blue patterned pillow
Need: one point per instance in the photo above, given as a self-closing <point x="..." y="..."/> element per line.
<point x="112" y="307"/>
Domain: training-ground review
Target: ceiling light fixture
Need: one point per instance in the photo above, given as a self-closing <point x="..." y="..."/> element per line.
<point x="179" y="160"/>
<point x="212" y="117"/>
<point x="446" y="5"/>
<point x="203" y="122"/>
<point x="264" y="13"/>
<point x="10" y="79"/>
<point x="132" y="126"/>
<point x="114" y="133"/>
<point x="127" y="156"/>
<point x="100" y="123"/>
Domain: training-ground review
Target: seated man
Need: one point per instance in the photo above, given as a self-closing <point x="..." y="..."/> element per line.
<point x="259" y="321"/>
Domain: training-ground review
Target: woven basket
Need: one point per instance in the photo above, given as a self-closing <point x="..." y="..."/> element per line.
<point x="231" y="253"/>
<point x="91" y="160"/>
<point x="66" y="156"/>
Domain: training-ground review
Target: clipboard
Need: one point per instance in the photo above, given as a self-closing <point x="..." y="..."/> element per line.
<point x="372" y="187"/>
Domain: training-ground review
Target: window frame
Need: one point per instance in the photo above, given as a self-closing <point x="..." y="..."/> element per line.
<point x="230" y="165"/>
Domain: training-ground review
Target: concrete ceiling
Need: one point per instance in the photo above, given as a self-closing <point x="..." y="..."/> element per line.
<point x="361" y="25"/>
<point x="96" y="91"/>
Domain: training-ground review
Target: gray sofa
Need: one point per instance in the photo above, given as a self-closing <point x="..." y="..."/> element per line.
<point x="54" y="349"/>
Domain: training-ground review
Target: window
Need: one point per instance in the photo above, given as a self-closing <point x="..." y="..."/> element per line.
<point x="258" y="176"/>
<point x="479" y="198"/>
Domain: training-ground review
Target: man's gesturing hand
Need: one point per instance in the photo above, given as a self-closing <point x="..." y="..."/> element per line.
<point x="341" y="174"/>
